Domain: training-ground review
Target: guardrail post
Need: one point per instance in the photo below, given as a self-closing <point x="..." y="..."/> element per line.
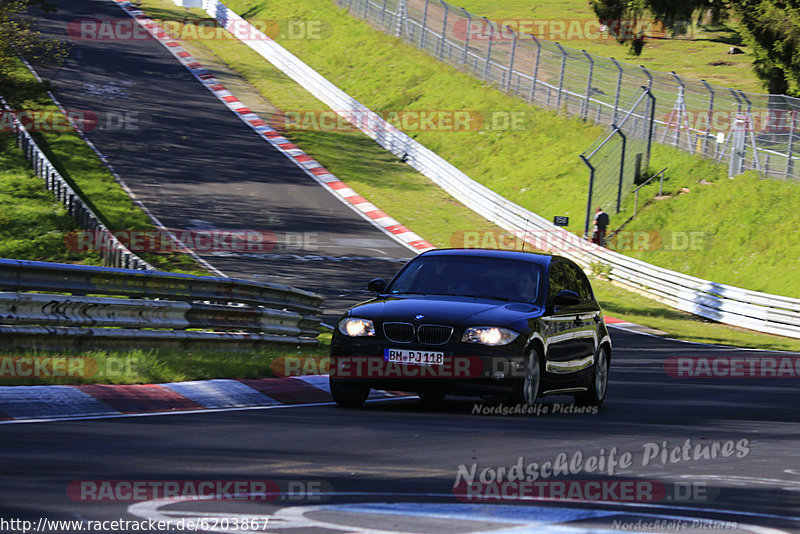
<point x="535" y="68"/>
<point x="424" y="26"/>
<point x="468" y="16"/>
<point x="383" y="12"/>
<point x="585" y="106"/>
<point x="561" y="75"/>
<point x="619" y="88"/>
<point x="486" y="70"/>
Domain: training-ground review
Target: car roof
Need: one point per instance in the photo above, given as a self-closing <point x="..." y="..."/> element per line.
<point x="541" y="259"/>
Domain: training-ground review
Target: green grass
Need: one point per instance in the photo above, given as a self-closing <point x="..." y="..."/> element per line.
<point x="32" y="225"/>
<point x="700" y="54"/>
<point x="159" y="366"/>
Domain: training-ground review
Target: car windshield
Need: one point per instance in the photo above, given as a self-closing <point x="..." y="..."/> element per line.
<point x="470" y="276"/>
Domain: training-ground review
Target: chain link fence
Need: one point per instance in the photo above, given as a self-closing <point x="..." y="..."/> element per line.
<point x="618" y="160"/>
<point x="748" y="131"/>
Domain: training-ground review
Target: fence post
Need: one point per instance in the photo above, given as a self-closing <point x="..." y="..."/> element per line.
<point x="535" y="67"/>
<point x="651" y="99"/>
<point x="511" y="60"/>
<point x="561" y="76"/>
<point x="401" y="14"/>
<point x="682" y="115"/>
<point x="440" y="51"/>
<point x="710" y="116"/>
<point x="621" y="168"/>
<point x="756" y="160"/>
<point x="383" y="12"/>
<point x="487" y="68"/>
<point x="424" y="26"/>
<point x="588" y="196"/>
<point x="737" y="141"/>
<point x="790" y="148"/>
<point x="468" y="16"/>
<point x="585" y="107"/>
<point x="619" y="88"/>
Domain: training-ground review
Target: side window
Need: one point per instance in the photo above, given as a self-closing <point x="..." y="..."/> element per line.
<point x="581" y="284"/>
<point x="559" y="279"/>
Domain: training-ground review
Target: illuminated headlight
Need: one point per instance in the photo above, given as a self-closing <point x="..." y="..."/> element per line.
<point x="354" y="327"/>
<point x="489" y="335"/>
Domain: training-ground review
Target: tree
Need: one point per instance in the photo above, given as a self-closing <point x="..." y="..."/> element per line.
<point x="771" y="28"/>
<point x="18" y="37"/>
<point x="675" y="15"/>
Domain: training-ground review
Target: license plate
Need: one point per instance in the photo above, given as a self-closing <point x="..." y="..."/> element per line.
<point x="413" y="357"/>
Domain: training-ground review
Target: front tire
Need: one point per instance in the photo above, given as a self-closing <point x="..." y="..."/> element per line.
<point x="597" y="389"/>
<point x="531" y="383"/>
<point x="348" y="393"/>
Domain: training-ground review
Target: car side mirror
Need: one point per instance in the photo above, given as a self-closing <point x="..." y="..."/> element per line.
<point x="376" y="285"/>
<point x="565" y="297"/>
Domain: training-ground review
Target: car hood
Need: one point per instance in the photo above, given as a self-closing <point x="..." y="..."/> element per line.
<point x="445" y="309"/>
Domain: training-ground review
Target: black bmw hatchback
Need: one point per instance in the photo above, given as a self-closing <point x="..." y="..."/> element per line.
<point x="475" y="322"/>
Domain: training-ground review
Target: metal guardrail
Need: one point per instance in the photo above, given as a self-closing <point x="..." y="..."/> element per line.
<point x="116" y="254"/>
<point x="727" y="304"/>
<point x="90" y="306"/>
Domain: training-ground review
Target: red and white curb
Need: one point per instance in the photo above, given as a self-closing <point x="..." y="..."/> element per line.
<point x="24" y="404"/>
<point x="633" y="327"/>
<point x="309" y="165"/>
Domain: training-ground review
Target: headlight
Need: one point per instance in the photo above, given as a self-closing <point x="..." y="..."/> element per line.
<point x="489" y="335"/>
<point x="354" y="327"/>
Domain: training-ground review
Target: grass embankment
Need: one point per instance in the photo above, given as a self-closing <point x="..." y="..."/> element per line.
<point x="699" y="53"/>
<point x="414" y="200"/>
<point x="33" y="225"/>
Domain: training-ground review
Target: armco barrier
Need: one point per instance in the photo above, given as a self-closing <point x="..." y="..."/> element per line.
<point x="719" y="302"/>
<point x="150" y="308"/>
<point x="116" y="255"/>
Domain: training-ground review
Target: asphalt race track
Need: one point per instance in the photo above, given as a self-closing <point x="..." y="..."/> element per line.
<point x="198" y="166"/>
<point x="391" y="466"/>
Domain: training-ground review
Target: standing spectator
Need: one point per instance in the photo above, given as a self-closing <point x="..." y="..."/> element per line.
<point x="600" y="223"/>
